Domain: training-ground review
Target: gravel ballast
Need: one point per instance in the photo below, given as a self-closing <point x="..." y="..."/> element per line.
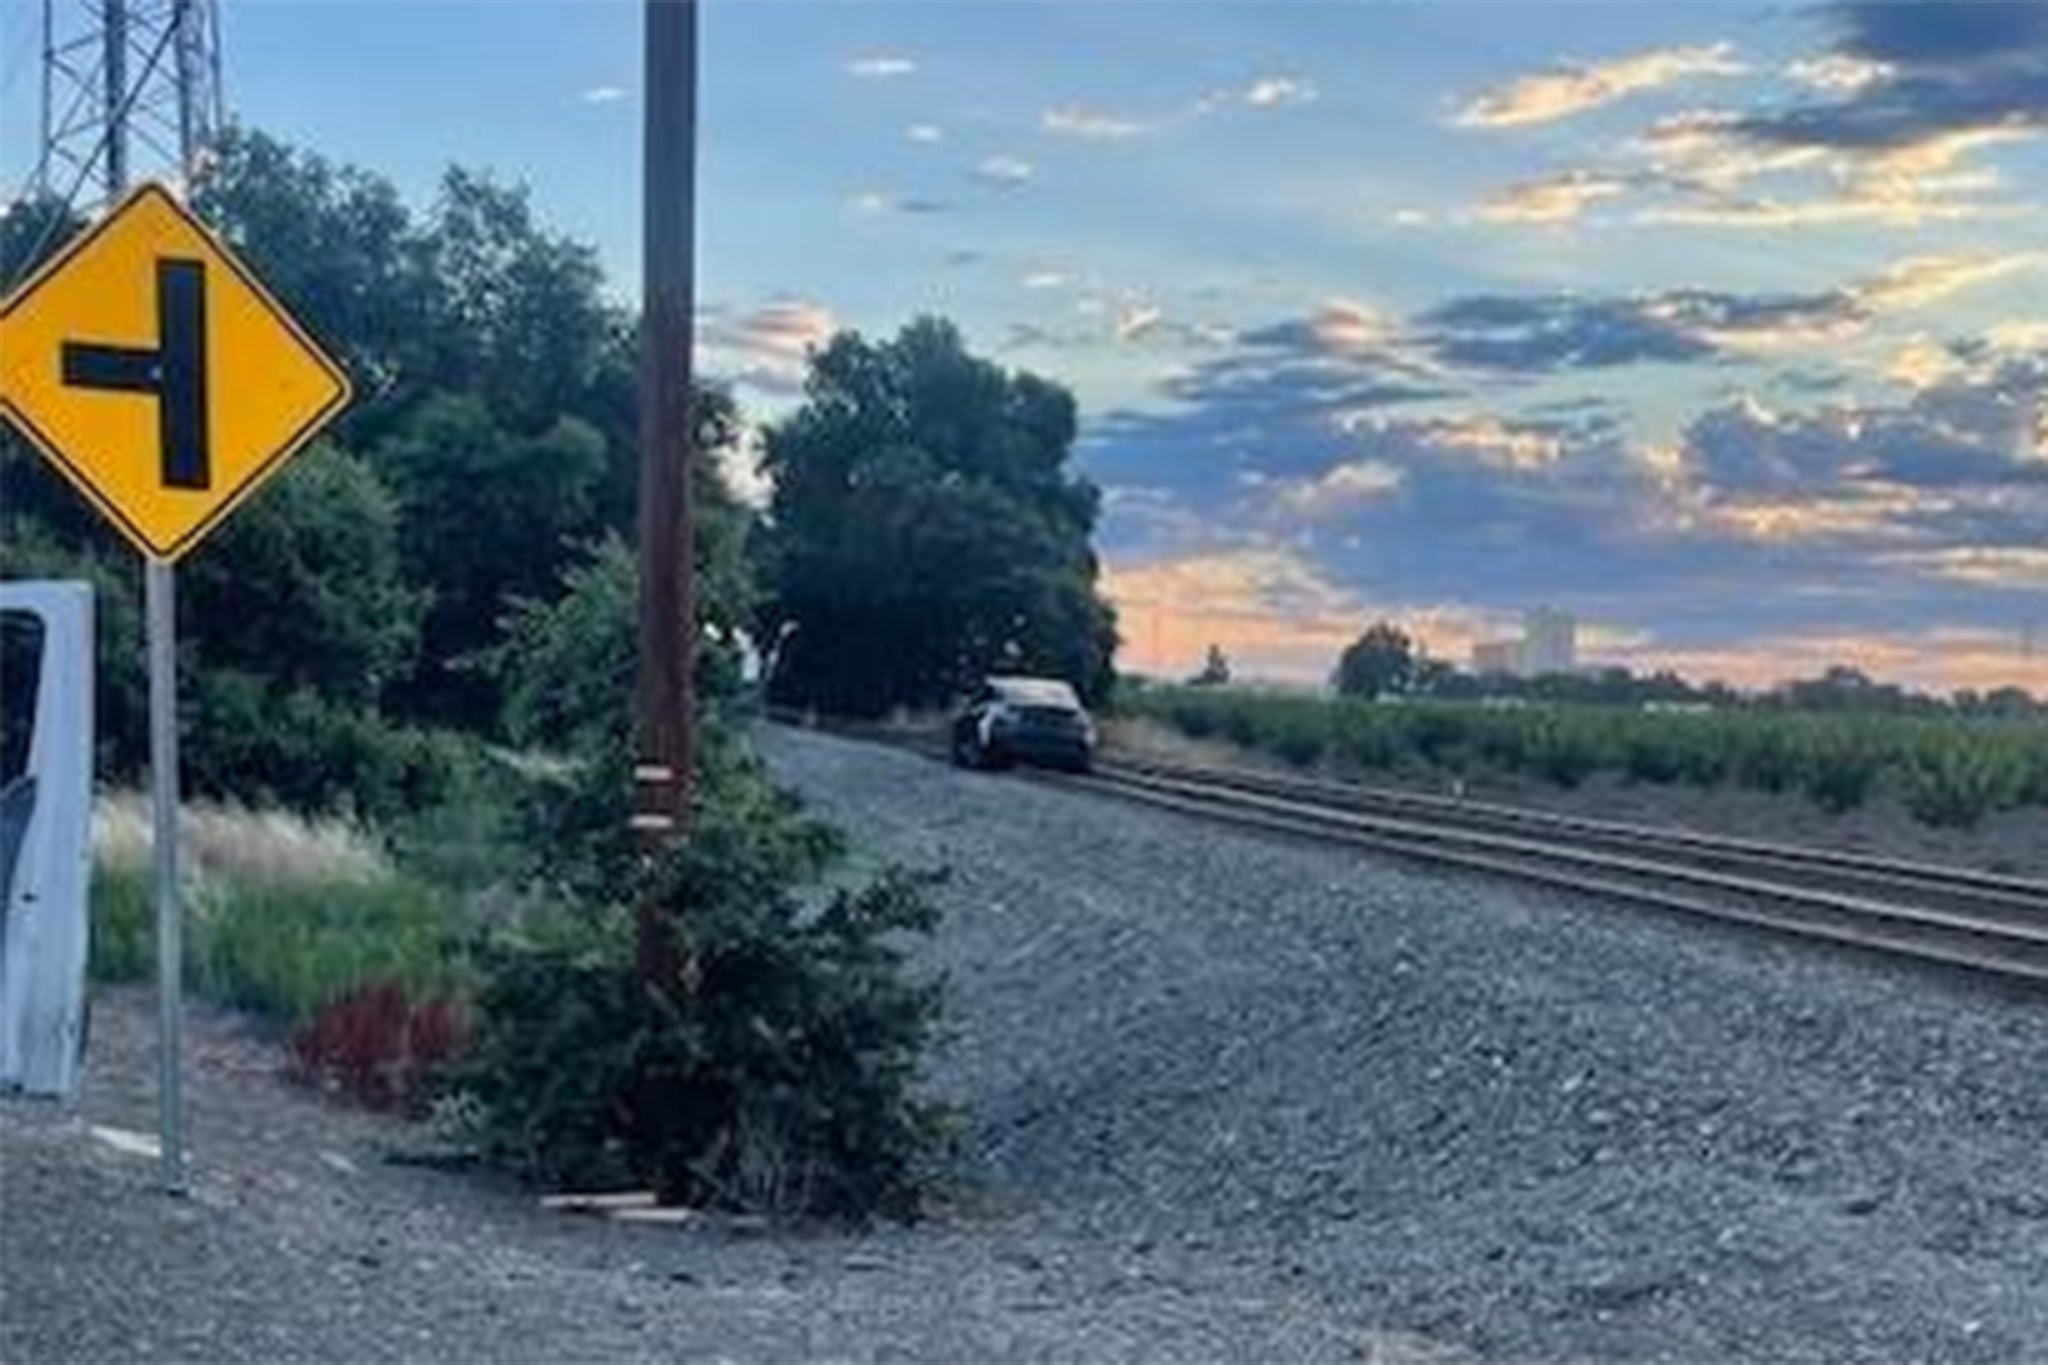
<point x="1532" y="1125"/>
<point x="1229" y="1098"/>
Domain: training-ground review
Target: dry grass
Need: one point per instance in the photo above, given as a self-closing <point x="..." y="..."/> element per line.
<point x="1142" y="737"/>
<point x="236" y="845"/>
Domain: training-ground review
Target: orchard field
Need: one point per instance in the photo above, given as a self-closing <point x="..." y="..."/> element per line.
<point x="1946" y="771"/>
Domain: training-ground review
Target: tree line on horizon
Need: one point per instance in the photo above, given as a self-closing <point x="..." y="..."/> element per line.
<point x="1386" y="661"/>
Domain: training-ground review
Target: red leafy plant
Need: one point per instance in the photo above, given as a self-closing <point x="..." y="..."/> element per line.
<point x="380" y="1047"/>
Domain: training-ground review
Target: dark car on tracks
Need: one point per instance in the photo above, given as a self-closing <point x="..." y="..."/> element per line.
<point x="1031" y="720"/>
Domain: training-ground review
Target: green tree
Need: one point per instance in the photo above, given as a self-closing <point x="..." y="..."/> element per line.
<point x="925" y="529"/>
<point x="1215" y="670"/>
<point x="1380" y="661"/>
<point x="495" y="385"/>
<point x="489" y="515"/>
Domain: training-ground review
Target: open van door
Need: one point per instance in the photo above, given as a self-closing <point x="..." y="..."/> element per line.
<point x="46" y="719"/>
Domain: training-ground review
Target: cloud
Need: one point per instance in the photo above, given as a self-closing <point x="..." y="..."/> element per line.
<point x="767" y="347"/>
<point x="1277" y="615"/>
<point x="1074" y="120"/>
<point x="1546" y="332"/>
<point x="601" y="94"/>
<point x="2018" y="335"/>
<point x="1522" y="447"/>
<point x="1827" y="211"/>
<point x="1921" y="364"/>
<point x="1310" y="457"/>
<point x="1006" y="172"/>
<point x="1134" y="320"/>
<point x="1337" y="490"/>
<point x="745" y="473"/>
<point x="1539" y="332"/>
<point x="1837" y="73"/>
<point x="1124" y="319"/>
<point x="1998" y="566"/>
<point x="1046" y="279"/>
<point x="1942" y="658"/>
<point x="926" y="133"/>
<point x="1709" y="157"/>
<point x="1947" y="69"/>
<point x="1551" y="200"/>
<point x="1266" y="93"/>
<point x="1550" y="96"/>
<point x="883" y="201"/>
<point x="881" y="66"/>
<point x="1953" y="36"/>
<point x="1280" y="92"/>
<point x="1923" y="280"/>
<point x="1706" y="148"/>
<point x="1950" y="469"/>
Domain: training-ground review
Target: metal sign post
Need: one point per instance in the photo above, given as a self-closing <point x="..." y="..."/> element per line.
<point x="160" y="605"/>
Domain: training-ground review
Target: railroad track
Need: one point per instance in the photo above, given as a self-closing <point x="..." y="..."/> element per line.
<point x="1955" y="916"/>
<point x="1959" y="917"/>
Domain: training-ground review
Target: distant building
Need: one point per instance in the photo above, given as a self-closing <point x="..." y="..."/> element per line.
<point x="1550" y="643"/>
<point x="1496" y="657"/>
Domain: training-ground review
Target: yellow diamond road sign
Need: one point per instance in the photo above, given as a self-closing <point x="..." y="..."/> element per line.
<point x="159" y="376"/>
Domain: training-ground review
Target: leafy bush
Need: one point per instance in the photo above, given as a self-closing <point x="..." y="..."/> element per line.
<point x="299" y="750"/>
<point x="1839" y="774"/>
<point x="1768" y="758"/>
<point x="379" y="1046"/>
<point x="1562" y="753"/>
<point x="774" y="1071"/>
<point x="287" y="950"/>
<point x="1947" y="770"/>
<point x="1958" y="785"/>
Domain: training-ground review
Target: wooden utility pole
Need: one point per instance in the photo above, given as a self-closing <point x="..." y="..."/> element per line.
<point x="662" y="773"/>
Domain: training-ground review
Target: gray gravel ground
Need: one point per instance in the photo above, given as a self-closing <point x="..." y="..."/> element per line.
<point x="1232" y="1099"/>
<point x="1533" y="1126"/>
<point x="299" y="1243"/>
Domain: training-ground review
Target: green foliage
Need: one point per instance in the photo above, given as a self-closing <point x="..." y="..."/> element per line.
<point x="280" y="948"/>
<point x="286" y="949"/>
<point x="1958" y="784"/>
<point x="775" y="1072"/>
<point x="353" y="599"/>
<point x="1382" y="660"/>
<point x="1947" y="771"/>
<point x="1215" y="670"/>
<point x="261" y="743"/>
<point x="486" y="514"/>
<point x="1560" y="751"/>
<point x="293" y="620"/>
<point x="123" y="940"/>
<point x="30" y="549"/>
<point x="925" y="529"/>
<point x="497" y="396"/>
<point x="1839" y="771"/>
<point x="303" y="585"/>
<point x="567" y="670"/>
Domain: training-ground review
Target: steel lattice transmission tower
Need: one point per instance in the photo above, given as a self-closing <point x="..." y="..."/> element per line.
<point x="131" y="90"/>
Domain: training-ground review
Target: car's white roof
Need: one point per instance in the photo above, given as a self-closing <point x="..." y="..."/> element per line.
<point x="1042" y="691"/>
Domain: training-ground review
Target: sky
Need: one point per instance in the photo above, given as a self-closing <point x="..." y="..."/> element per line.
<point x="1721" y="326"/>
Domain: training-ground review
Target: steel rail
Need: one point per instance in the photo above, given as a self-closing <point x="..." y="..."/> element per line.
<point x="1967" y="887"/>
<point x="2006" y="935"/>
<point x="1982" y="922"/>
